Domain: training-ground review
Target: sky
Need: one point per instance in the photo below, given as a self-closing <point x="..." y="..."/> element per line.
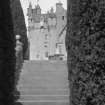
<point x="44" y="4"/>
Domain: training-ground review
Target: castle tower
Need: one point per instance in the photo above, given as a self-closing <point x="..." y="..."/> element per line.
<point x="52" y="32"/>
<point x="36" y="14"/>
<point x="61" y="17"/>
<point x="38" y="9"/>
<point x="29" y="10"/>
<point x="61" y="31"/>
<point x="44" y="30"/>
<point x="59" y="7"/>
<point x="38" y="46"/>
<point x="29" y="14"/>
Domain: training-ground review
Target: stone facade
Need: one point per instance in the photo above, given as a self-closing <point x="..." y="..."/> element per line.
<point x="46" y="32"/>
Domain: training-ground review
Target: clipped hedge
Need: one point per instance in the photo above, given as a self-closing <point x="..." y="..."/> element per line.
<point x="19" y="24"/>
<point x="85" y="43"/>
<point x="7" y="55"/>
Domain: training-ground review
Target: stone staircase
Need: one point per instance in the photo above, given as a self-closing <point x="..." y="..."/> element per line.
<point x="44" y="83"/>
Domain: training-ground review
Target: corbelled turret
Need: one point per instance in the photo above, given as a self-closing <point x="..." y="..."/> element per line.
<point x="59" y="7"/>
<point x="29" y="10"/>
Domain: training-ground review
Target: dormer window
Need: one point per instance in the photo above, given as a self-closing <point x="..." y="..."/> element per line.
<point x="63" y="17"/>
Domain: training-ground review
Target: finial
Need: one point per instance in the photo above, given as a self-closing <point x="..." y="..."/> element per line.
<point x="37" y="2"/>
<point x="52" y="10"/>
<point x="30" y="5"/>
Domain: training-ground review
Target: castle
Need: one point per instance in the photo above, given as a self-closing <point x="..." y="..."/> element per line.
<point x="46" y="33"/>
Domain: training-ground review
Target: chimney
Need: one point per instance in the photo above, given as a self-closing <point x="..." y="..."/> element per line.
<point x="58" y="7"/>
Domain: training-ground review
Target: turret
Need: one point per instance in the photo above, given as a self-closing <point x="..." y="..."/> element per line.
<point x="59" y="7"/>
<point x="36" y="13"/>
<point x="29" y="10"/>
<point x="51" y="18"/>
<point x="38" y="9"/>
<point x="30" y="17"/>
<point x="52" y="10"/>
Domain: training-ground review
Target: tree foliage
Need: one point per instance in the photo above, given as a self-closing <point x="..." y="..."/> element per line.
<point x="85" y="43"/>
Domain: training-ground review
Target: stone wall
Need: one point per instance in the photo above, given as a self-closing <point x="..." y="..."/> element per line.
<point x="85" y="44"/>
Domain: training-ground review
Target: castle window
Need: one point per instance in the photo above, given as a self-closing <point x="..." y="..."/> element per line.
<point x="45" y="45"/>
<point x="63" y="17"/>
<point x="31" y="20"/>
<point x="37" y="55"/>
<point x="45" y="42"/>
<point x="46" y="36"/>
<point x="60" y="49"/>
<point x="46" y="54"/>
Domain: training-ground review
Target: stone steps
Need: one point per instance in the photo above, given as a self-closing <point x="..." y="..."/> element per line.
<point x="44" y="83"/>
<point x="44" y="97"/>
<point x="45" y="92"/>
<point x="32" y="102"/>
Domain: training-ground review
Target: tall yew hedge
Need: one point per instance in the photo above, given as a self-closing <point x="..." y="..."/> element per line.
<point x="7" y="55"/>
<point x="85" y="43"/>
<point x="19" y="24"/>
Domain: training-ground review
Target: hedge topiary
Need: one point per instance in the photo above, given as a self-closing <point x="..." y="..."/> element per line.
<point x="85" y="44"/>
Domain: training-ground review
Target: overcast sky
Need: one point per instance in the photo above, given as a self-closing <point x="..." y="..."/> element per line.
<point x="44" y="4"/>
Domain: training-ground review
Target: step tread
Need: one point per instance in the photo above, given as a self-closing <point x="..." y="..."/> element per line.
<point x="44" y="83"/>
<point x="44" y="97"/>
<point x="44" y="103"/>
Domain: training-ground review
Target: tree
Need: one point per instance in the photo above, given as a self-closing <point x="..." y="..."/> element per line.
<point x="85" y="44"/>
